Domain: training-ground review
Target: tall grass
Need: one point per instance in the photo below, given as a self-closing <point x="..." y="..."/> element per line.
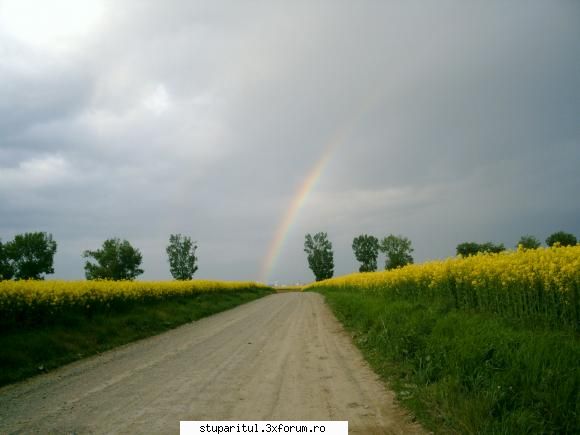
<point x="484" y="344"/>
<point x="29" y="303"/>
<point x="467" y="373"/>
<point x="536" y="286"/>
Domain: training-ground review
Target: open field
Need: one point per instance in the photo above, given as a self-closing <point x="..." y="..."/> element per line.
<point x="538" y="286"/>
<point x="40" y="302"/>
<point x="487" y="344"/>
<point x="282" y="357"/>
<point x="45" y="324"/>
<point x="484" y="344"/>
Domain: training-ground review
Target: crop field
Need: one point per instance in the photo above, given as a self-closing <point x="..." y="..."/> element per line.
<point x="45" y="324"/>
<point x="483" y="344"/>
<point x="536" y="285"/>
<point x="36" y="301"/>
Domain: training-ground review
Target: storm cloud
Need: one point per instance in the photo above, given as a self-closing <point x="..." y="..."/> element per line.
<point x="456" y="121"/>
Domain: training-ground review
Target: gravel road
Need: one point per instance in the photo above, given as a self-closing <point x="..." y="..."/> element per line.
<point x="282" y="357"/>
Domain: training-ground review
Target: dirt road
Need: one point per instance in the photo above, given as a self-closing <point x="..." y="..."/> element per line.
<point x="283" y="357"/>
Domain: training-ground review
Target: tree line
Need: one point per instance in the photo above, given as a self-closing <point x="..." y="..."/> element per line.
<point x="398" y="250"/>
<point x="31" y="256"/>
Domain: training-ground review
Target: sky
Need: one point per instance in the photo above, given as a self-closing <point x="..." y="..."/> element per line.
<point x="246" y="125"/>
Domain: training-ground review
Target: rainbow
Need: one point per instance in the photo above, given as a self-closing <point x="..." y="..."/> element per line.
<point x="297" y="202"/>
<point x="307" y="185"/>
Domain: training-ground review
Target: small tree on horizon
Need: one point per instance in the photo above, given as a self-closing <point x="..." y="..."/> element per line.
<point x="182" y="259"/>
<point x="561" y="237"/>
<point x="366" y="251"/>
<point x="6" y="270"/>
<point x="529" y="242"/>
<point x="471" y="248"/>
<point x="116" y="260"/>
<point x="466" y="249"/>
<point x="494" y="248"/>
<point x="398" y="251"/>
<point x="320" y="255"/>
<point x="29" y="256"/>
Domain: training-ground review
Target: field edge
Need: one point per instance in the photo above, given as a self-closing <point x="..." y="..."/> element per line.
<point x="35" y="350"/>
<point x="504" y="379"/>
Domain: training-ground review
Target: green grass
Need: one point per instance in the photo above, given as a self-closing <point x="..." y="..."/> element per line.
<point x="30" y="350"/>
<point x="462" y="372"/>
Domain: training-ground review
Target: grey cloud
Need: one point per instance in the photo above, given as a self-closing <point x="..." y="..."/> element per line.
<point x="36" y="90"/>
<point x="456" y="121"/>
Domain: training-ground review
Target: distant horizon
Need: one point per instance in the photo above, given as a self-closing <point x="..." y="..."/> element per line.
<point x="280" y="283"/>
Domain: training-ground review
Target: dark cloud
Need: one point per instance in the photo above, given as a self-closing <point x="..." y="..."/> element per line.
<point x="455" y="122"/>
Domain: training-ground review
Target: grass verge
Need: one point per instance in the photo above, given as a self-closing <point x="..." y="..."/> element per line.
<point x="35" y="349"/>
<point x="462" y="372"/>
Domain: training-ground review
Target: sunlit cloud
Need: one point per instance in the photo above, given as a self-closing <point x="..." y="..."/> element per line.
<point x="53" y="25"/>
<point x="157" y="101"/>
<point x="35" y="173"/>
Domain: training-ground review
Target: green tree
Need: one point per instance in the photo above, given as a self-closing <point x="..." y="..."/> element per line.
<point x="366" y="251"/>
<point x="493" y="248"/>
<point x="320" y="255"/>
<point x="398" y="251"/>
<point x="466" y="249"/>
<point x="31" y="255"/>
<point x="471" y="248"/>
<point x="6" y="270"/>
<point x="529" y="242"/>
<point x="564" y="239"/>
<point x="182" y="259"/>
<point x="116" y="260"/>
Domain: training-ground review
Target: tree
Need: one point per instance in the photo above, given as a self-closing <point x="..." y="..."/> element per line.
<point x="466" y="249"/>
<point x="471" y="248"/>
<point x="6" y="270"/>
<point x="398" y="251"/>
<point x="564" y="239"/>
<point x="528" y="242"/>
<point x="31" y="255"/>
<point x="181" y="253"/>
<point x="366" y="251"/>
<point x="320" y="256"/>
<point x="490" y="247"/>
<point x="117" y="260"/>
